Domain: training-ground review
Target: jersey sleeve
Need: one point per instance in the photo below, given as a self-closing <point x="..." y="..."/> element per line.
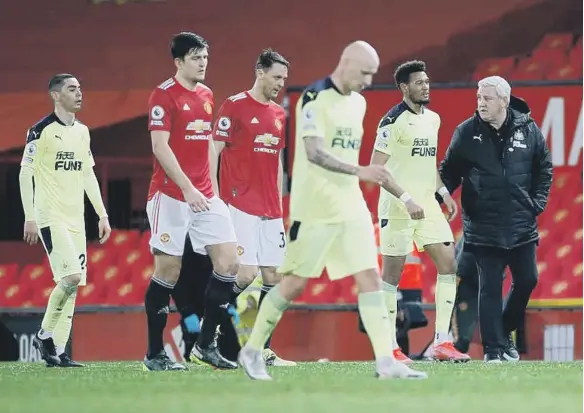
<point x="89" y="161"/>
<point x="312" y="119"/>
<point x="160" y="111"/>
<point x="33" y="149"/>
<point x="224" y="127"/>
<point x="386" y="136"/>
<point x="281" y="126"/>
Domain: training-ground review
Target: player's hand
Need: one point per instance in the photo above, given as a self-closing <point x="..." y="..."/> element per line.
<point x="415" y="210"/>
<point x="451" y="206"/>
<point x="31" y="232"/>
<point x="104" y="229"/>
<point x="196" y="200"/>
<point x="373" y="173"/>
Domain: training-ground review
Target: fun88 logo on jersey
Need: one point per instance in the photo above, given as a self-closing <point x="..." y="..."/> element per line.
<point x="66" y="161"/>
<point x="421" y="147"/>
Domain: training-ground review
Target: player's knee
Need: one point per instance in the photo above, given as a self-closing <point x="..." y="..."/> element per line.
<point x="392" y="268"/>
<point x="224" y="258"/>
<point x="448" y="267"/>
<point x="270" y="276"/>
<point x="391" y="277"/>
<point x="292" y="286"/>
<point x="233" y="267"/>
<point x="72" y="280"/>
<point x="226" y="265"/>
<point x="246" y="274"/>
<point x="170" y="274"/>
<point x="368" y="281"/>
<point x="167" y="268"/>
<point x="70" y="284"/>
<point x="446" y="259"/>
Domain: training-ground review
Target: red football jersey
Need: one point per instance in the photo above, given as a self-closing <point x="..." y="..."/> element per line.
<point x="188" y="116"/>
<point x="254" y="136"/>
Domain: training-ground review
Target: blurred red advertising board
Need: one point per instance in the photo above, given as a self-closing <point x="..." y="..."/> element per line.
<point x="306" y="335"/>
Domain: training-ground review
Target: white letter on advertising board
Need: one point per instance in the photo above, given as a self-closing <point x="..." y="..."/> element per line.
<point x="576" y="149"/>
<point x="552" y="128"/>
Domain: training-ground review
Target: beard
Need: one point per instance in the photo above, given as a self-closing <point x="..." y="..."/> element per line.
<point x="420" y="101"/>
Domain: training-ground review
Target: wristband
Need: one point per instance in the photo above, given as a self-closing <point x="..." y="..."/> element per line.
<point x="443" y="191"/>
<point x="405" y="197"/>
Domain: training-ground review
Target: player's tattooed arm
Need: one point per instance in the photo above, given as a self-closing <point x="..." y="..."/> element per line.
<point x="316" y="154"/>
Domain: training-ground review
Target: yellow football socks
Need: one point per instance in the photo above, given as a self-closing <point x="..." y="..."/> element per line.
<point x="390" y="292"/>
<point x="269" y="314"/>
<point x="57" y="300"/>
<point x="445" y="296"/>
<point x="375" y="319"/>
<point x="63" y="327"/>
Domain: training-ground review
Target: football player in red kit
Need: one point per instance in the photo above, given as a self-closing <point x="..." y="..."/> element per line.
<point x="249" y="135"/>
<point x="181" y="202"/>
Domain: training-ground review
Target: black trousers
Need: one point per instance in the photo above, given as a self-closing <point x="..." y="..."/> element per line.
<point x="466" y="308"/>
<point x="495" y="325"/>
<point x="466" y="305"/>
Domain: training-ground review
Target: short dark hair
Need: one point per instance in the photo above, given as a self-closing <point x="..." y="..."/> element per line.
<point x="268" y="57"/>
<point x="56" y="82"/>
<point x="403" y="71"/>
<point x="184" y="42"/>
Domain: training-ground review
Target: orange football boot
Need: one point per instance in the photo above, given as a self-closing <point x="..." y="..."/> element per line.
<point x="447" y="352"/>
<point x="401" y="357"/>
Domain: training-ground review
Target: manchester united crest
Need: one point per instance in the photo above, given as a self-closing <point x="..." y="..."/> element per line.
<point x="278" y="124"/>
<point x="239" y="250"/>
<point x="164" y="238"/>
<point x="208" y="107"/>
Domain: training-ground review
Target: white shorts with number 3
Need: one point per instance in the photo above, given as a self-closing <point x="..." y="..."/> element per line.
<point x="261" y="242"/>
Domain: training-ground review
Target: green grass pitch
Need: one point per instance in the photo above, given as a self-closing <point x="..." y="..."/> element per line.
<point x="309" y="388"/>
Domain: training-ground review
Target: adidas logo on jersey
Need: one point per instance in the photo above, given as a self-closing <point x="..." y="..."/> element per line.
<point x="186" y="107"/>
<point x="255" y="120"/>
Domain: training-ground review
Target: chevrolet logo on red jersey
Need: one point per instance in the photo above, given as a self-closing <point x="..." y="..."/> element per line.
<point x="267" y="139"/>
<point x="199" y="126"/>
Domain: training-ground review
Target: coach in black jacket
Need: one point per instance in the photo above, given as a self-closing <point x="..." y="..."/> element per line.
<point x="501" y="158"/>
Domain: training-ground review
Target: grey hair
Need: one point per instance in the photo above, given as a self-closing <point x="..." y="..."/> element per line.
<point x="502" y="87"/>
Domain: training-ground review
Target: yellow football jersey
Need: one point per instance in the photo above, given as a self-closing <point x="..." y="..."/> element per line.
<point x="59" y="155"/>
<point x="411" y="141"/>
<point x="319" y="195"/>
